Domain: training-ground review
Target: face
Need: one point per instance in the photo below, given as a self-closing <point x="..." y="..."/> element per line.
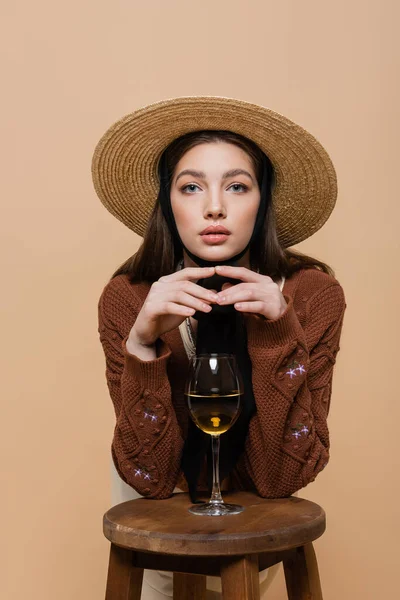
<point x="214" y="184"/>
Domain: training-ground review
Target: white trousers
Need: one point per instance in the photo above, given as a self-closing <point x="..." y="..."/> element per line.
<point x="158" y="585"/>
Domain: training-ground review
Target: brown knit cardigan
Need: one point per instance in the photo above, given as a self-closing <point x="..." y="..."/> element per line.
<point x="292" y="364"/>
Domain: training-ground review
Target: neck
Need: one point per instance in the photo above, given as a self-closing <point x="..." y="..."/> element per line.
<point x="242" y="262"/>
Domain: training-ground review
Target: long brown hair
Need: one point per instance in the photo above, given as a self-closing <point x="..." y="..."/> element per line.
<point x="157" y="256"/>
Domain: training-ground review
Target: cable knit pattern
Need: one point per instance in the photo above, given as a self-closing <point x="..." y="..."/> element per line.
<point x="292" y="360"/>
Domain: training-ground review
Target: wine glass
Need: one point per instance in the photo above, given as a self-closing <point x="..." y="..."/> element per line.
<point x="214" y="390"/>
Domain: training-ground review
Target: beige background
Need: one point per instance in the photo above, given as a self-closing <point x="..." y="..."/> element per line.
<point x="72" y="68"/>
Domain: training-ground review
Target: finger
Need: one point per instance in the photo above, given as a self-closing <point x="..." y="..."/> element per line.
<point x="250" y="307"/>
<point x="180" y="297"/>
<point x="178" y="309"/>
<point x="190" y="273"/>
<point x="160" y="288"/>
<point x="226" y="286"/>
<point x="239" y="273"/>
<point x="196" y="290"/>
<point x="239" y="292"/>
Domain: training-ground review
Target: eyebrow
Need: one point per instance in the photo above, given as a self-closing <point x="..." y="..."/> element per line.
<point x="226" y="175"/>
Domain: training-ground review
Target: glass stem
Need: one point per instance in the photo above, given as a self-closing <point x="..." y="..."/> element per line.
<point x="216" y="497"/>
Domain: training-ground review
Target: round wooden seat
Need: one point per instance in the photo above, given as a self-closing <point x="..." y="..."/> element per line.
<point x="164" y="535"/>
<point x="168" y="527"/>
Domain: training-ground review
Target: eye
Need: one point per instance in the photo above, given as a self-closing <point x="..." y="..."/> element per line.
<point x="240" y="185"/>
<point x="185" y="188"/>
<point x="189" y="185"/>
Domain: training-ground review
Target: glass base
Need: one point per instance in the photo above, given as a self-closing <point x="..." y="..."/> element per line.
<point x="216" y="509"/>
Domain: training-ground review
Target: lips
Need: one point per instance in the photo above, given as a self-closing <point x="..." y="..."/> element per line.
<point x="215" y="235"/>
<point x="215" y="230"/>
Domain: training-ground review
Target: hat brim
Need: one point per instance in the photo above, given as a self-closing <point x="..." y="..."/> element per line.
<point x="125" y="161"/>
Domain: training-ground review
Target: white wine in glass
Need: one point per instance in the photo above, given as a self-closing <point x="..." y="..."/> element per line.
<point x="214" y="390"/>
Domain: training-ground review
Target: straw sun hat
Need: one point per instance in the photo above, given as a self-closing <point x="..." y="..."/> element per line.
<point x="125" y="161"/>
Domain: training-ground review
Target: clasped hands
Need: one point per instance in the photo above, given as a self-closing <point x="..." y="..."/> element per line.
<point x="175" y="297"/>
<point x="258" y="294"/>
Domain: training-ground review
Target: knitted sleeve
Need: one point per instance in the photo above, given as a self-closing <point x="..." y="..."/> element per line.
<point x="147" y="442"/>
<point x="288" y="441"/>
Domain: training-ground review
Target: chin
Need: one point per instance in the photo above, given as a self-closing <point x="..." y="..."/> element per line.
<point x="215" y="253"/>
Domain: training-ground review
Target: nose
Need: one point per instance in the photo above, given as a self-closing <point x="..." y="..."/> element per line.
<point x="214" y="207"/>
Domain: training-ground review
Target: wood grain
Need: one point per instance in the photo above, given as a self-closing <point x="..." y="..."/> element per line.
<point x="301" y="574"/>
<point x="124" y="581"/>
<point x="189" y="587"/>
<point x="166" y="526"/>
<point x="239" y="579"/>
<point x="199" y="565"/>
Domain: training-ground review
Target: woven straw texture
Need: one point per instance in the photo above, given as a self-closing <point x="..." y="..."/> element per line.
<point x="124" y="164"/>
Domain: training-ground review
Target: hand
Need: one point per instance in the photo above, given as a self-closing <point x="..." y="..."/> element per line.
<point x="169" y="302"/>
<point x="259" y="294"/>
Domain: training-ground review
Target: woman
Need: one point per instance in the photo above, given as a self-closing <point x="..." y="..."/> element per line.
<point x="219" y="188"/>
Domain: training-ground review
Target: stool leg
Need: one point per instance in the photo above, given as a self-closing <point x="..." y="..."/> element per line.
<point x="240" y="579"/>
<point x="124" y="581"/>
<point x="189" y="587"/>
<point x="301" y="574"/>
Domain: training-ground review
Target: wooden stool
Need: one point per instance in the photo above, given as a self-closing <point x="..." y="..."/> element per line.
<point x="163" y="535"/>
